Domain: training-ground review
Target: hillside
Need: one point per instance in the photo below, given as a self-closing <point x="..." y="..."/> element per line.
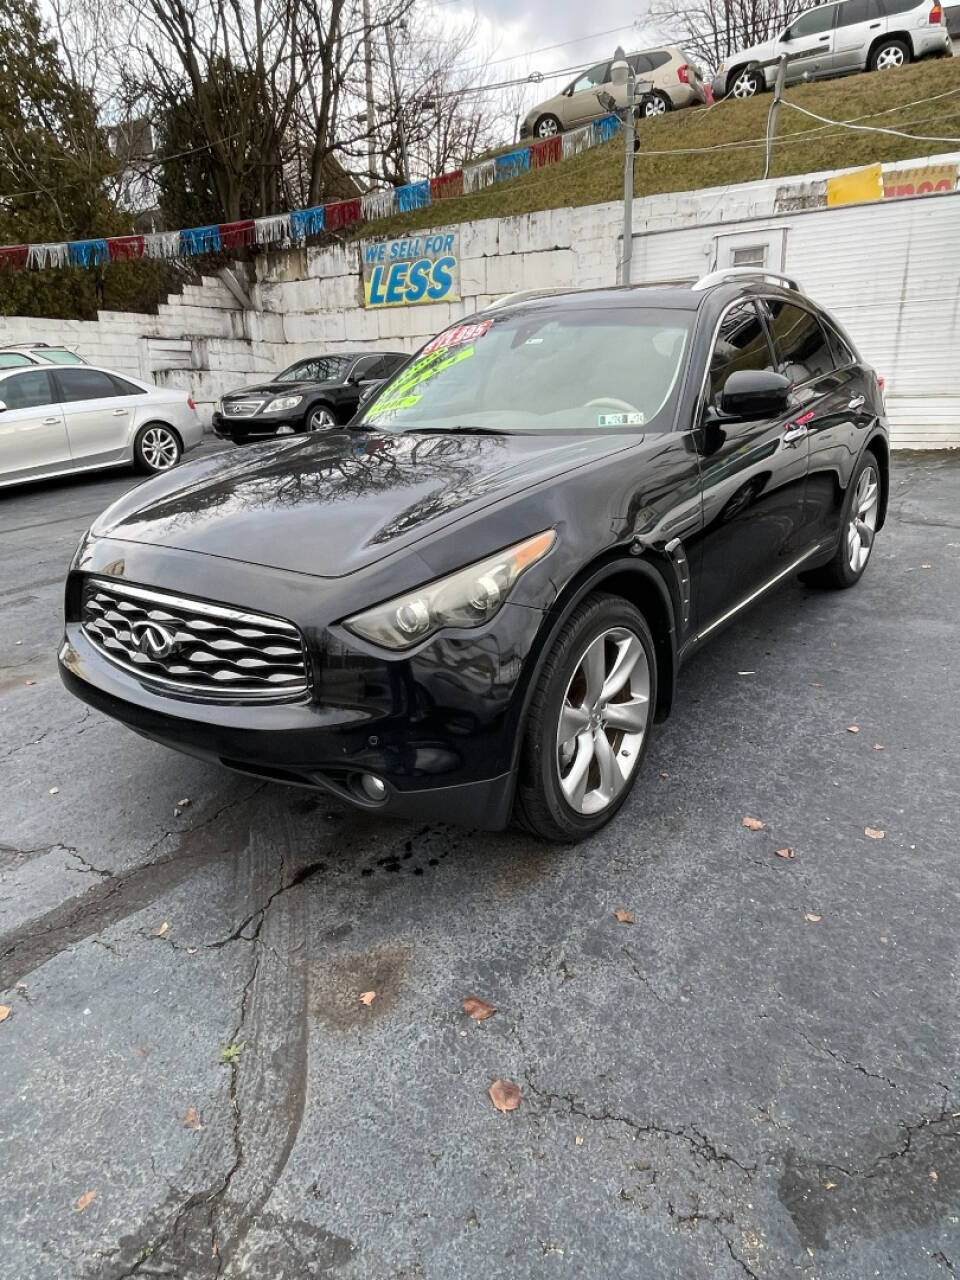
<point x="714" y="146"/>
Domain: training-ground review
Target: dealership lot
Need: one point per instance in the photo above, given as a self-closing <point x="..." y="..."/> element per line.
<point x="758" y="1076"/>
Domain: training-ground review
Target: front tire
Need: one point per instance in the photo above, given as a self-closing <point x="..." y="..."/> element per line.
<point x="589" y="722"/>
<point x="547" y="126"/>
<point x="321" y="419"/>
<point x="746" y="82"/>
<point x="889" y="55"/>
<point x="859" y="530"/>
<point x="157" y="448"/>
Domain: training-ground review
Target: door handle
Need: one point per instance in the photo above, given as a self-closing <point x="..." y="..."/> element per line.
<point x="119" y="413"/>
<point x="795" y="433"/>
<point x="50" y="422"/>
<point x="857" y="402"/>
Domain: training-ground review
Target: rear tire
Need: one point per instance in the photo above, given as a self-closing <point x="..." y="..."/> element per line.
<point x="589" y="722"/>
<point x="889" y="55"/>
<point x="655" y="104"/>
<point x="859" y="528"/>
<point x="745" y="82"/>
<point x="157" y="448"/>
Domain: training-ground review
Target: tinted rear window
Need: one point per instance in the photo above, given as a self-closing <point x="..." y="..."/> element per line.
<point x="801" y="344"/>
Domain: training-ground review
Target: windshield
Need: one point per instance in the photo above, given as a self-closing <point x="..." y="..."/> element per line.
<point x="541" y="369"/>
<point x="60" y="355"/>
<point x="317" y="369"/>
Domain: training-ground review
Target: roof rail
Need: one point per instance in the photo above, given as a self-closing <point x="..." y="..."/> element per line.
<point x="744" y="273"/>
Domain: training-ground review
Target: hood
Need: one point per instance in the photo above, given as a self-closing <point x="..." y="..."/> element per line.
<point x="330" y="505"/>
<point x="276" y="388"/>
<point x="756" y="53"/>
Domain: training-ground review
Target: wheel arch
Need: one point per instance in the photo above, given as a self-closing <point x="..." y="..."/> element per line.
<point x="321" y="401"/>
<point x="154" y="421"/>
<point x="902" y="36"/>
<point x="750" y="65"/>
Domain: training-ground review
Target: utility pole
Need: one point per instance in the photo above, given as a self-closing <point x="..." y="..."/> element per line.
<point x="404" y="166"/>
<point x="621" y="73"/>
<point x="772" y="113"/>
<point x="368" y="76"/>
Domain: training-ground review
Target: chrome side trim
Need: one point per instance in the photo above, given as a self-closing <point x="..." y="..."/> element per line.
<point x="754" y="595"/>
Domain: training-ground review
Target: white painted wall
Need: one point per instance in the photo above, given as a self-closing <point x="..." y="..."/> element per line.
<point x="889" y="271"/>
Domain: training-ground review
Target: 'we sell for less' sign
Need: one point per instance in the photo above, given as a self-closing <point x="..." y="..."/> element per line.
<point x="418" y="269"/>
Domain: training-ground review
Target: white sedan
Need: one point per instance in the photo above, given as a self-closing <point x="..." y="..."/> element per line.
<point x="59" y="419"/>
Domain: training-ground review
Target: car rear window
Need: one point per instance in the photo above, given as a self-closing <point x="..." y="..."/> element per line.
<point x="892" y="7"/>
<point x="124" y="388"/>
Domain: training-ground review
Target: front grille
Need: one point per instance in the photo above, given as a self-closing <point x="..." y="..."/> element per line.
<point x="241" y="408"/>
<point x="193" y="647"/>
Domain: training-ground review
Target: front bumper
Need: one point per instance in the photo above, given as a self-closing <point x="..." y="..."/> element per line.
<point x="257" y="427"/>
<point x="438" y="727"/>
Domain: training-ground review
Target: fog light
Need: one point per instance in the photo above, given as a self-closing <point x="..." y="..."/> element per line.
<point x="285" y="431"/>
<point x="373" y="788"/>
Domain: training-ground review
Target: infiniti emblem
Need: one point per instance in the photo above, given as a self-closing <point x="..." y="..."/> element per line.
<point x="153" y="640"/>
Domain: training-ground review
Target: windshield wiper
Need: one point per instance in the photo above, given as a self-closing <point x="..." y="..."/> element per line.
<point x="462" y="429"/>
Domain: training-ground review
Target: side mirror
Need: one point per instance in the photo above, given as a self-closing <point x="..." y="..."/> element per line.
<point x="749" y="394"/>
<point x="786" y="37"/>
<point x="3" y="405"/>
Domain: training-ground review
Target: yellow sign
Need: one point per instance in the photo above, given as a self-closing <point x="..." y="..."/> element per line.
<point x="925" y="180"/>
<point x="856" y="188"/>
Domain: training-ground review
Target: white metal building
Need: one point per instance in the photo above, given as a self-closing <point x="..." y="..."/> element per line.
<point x="889" y="271"/>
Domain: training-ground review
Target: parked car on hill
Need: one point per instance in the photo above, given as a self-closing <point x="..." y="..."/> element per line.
<point x="475" y="599"/>
<point x="77" y="418"/>
<point x="13" y="354"/>
<point x="839" y="39"/>
<point x="675" y="79"/>
<point x="314" y="394"/>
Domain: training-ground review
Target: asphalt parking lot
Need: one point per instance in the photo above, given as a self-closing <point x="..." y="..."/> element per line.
<point x="758" y="1077"/>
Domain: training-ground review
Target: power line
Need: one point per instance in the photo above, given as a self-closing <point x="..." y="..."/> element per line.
<point x="868" y="128"/>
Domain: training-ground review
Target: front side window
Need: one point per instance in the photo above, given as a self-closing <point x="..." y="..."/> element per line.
<point x="27" y="390"/>
<point x="542" y="369"/>
<point x="814" y="22"/>
<point x="85" y="384"/>
<point x="60" y="355"/>
<point x="741" y="344"/>
<point x="591" y="79"/>
<point x="803" y="351"/>
<point x="316" y="369"/>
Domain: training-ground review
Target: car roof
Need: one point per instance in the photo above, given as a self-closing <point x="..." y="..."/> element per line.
<point x="679" y="297"/>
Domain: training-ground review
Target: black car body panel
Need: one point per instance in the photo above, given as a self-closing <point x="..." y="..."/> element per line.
<point x="241" y="417"/>
<point x="689" y="523"/>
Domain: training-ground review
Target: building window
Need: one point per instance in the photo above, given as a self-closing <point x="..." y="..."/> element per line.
<point x="752" y="256"/>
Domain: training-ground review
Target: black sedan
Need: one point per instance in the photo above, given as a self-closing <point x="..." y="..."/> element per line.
<point x="312" y="395"/>
<point x="474" y="602"/>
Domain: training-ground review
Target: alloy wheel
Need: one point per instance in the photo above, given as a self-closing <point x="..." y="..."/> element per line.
<point x="547" y="128"/>
<point x="159" y="448"/>
<point x="320" y="420"/>
<point x="863" y="519"/>
<point x="745" y="85"/>
<point x="602" y="720"/>
<point x="890" y="58"/>
<point x="654" y="106"/>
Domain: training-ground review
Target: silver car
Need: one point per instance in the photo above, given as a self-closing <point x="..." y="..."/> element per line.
<point x="675" y="80"/>
<point x="837" y="39"/>
<point x="58" y="419"/>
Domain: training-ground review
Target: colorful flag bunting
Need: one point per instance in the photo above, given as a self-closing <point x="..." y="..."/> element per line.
<point x="306" y="222"/>
<point x="415" y="195"/>
<point x="88" y="253"/>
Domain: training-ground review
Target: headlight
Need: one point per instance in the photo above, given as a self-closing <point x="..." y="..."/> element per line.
<point x="218" y="407"/>
<point x="467" y="598"/>
<point x="281" y="403"/>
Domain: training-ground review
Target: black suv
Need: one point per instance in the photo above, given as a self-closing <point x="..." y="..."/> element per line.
<point x="475" y="600"/>
<point x="312" y="395"/>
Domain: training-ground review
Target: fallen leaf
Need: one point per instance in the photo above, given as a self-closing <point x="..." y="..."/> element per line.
<point x="934" y="1176"/>
<point x="746" y="673"/>
<point x="785" y="853"/>
<point x="5" y="1012"/>
<point x="926" y="566"/>
<point x="753" y="824"/>
<point x="184" y="802"/>
<point x="54" y="790"/>
<point x="878" y="746"/>
<point x="85" y="1201"/>
<point x="191" y="1120"/>
<point x="367" y="997"/>
<point x="625" y="917"/>
<point x="478" y="1009"/>
<point x="875" y="833"/>
<point x="812" y="917"/>
<point x="664" y="774"/>
<point x="29" y="682"/>
<point x="830" y="1186"/>
<point x="578" y="1140"/>
<point x="504" y="1095"/>
<point x="853" y="728"/>
<point x="161" y="930"/>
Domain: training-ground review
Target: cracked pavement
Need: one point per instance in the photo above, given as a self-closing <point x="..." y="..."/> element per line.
<point x="725" y="1088"/>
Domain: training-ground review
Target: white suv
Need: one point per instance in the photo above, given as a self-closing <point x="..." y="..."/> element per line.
<point x="837" y="39"/>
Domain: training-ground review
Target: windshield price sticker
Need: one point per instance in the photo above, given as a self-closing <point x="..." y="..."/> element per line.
<point x="457" y="336"/>
<point x="621" y="420"/>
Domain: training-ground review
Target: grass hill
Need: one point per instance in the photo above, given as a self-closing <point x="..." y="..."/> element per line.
<point x="714" y="146"/>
